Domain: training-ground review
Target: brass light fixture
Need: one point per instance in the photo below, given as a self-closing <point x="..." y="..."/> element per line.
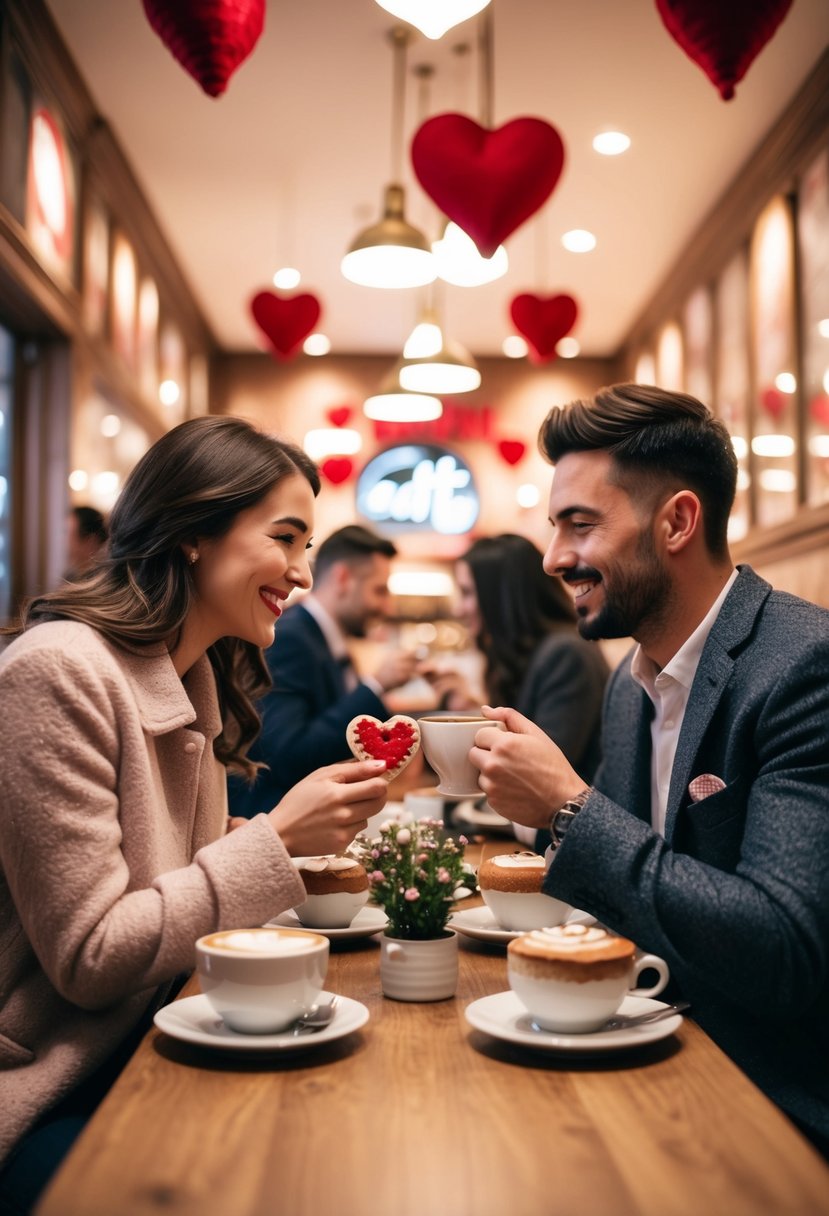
<point x="392" y="253"/>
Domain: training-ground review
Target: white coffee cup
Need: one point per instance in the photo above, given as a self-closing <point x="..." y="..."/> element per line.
<point x="510" y="884"/>
<point x="572" y="978"/>
<point x="424" y="803"/>
<point x="446" y="740"/>
<point x="259" y="980"/>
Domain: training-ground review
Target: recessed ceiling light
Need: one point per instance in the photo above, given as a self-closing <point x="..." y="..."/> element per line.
<point x="786" y="382"/>
<point x="579" y="240"/>
<point x="611" y="143"/>
<point x="823" y="327"/>
<point x="568" y="348"/>
<point x="286" y="278"/>
<point x="527" y="495"/>
<point x="514" y="347"/>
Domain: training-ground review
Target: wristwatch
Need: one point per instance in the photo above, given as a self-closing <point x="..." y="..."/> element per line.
<point x="564" y="816"/>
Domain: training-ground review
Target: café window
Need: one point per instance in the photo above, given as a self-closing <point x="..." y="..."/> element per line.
<point x="418" y="488"/>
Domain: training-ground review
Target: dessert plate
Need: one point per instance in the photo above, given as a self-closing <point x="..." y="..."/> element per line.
<point x="481" y="924"/>
<point x="194" y="1020"/>
<point x="504" y="1017"/>
<point x="368" y="921"/>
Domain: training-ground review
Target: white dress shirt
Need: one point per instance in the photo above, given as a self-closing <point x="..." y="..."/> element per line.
<point x="669" y="690"/>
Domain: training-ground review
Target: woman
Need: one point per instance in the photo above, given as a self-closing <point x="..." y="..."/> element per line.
<point x="524" y="624"/>
<point x="125" y="699"/>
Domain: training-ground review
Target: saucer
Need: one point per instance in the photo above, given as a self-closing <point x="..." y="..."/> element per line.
<point x="368" y="921"/>
<point x="194" y="1020"/>
<point x="481" y="924"/>
<point x="482" y="817"/>
<point x="504" y="1017"/>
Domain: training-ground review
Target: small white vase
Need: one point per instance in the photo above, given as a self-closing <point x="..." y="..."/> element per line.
<point x="419" y="970"/>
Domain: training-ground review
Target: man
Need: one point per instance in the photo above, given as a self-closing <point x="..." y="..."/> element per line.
<point x="316" y="690"/>
<point x="86" y="535"/>
<point x="705" y="837"/>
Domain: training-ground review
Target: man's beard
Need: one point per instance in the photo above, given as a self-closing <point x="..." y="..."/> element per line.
<point x="636" y="598"/>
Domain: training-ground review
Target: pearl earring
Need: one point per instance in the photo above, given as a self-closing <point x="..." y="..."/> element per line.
<point x="192" y="558"/>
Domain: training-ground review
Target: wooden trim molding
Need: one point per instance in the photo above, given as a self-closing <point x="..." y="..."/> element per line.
<point x="807" y="532"/>
<point x="787" y="148"/>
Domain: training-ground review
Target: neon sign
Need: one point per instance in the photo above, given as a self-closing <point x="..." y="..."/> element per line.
<point x="418" y="487"/>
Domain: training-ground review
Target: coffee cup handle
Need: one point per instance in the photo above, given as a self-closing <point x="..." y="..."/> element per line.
<point x="652" y="961"/>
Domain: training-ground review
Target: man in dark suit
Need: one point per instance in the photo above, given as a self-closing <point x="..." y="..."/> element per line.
<point x="316" y="690"/>
<point x="705" y="836"/>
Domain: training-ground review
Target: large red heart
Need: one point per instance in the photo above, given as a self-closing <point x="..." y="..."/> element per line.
<point x="209" y="38"/>
<point x="488" y="182"/>
<point x="512" y="450"/>
<point x="337" y="469"/>
<point x="543" y="321"/>
<point x="339" y="415"/>
<point x="395" y="741"/>
<point x="286" y="321"/>
<point x="723" y="37"/>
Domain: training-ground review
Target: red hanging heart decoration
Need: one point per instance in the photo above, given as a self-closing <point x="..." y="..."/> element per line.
<point x="286" y="321"/>
<point x="819" y="409"/>
<point x="339" y="415"/>
<point x="543" y="321"/>
<point x="723" y="38"/>
<point x="773" y="402"/>
<point x="209" y="38"/>
<point x="488" y="182"/>
<point x="512" y="450"/>
<point x="337" y="469"/>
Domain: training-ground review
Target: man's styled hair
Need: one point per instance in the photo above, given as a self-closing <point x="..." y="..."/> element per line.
<point x="660" y="442"/>
<point x="353" y="545"/>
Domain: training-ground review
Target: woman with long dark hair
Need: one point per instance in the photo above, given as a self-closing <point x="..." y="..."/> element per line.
<point x="524" y="624"/>
<point x="126" y="697"/>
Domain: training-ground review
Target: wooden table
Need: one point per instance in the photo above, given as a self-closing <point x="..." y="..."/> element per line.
<point x="418" y="1114"/>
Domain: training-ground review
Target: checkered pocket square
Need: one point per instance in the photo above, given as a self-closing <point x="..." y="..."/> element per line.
<point x="704" y="786"/>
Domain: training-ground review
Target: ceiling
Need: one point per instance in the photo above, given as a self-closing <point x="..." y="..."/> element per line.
<point x="291" y="161"/>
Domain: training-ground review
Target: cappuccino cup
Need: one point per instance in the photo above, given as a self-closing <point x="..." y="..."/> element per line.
<point x="446" y="740"/>
<point x="336" y="888"/>
<point x="572" y="978"/>
<point x="511" y="883"/>
<point x="260" y="980"/>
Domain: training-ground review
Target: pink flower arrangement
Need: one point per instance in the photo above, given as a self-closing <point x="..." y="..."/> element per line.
<point x="414" y="871"/>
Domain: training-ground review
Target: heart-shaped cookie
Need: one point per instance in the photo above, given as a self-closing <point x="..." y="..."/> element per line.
<point x="395" y="741"/>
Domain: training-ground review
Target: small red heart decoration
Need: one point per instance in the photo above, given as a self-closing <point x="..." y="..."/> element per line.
<point x="337" y="469"/>
<point x="286" y="321"/>
<point x="773" y="402"/>
<point x="339" y="415"/>
<point x="488" y="181"/>
<point x="512" y="450"/>
<point x="543" y="321"/>
<point x="819" y="409"/>
<point x="395" y="741"/>
<point x="723" y="37"/>
<point x="209" y="38"/>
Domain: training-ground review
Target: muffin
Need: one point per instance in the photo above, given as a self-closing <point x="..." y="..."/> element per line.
<point x="337" y="888"/>
<point x="511" y="887"/>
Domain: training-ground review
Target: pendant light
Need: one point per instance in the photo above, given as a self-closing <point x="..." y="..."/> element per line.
<point x="432" y="363"/>
<point x="433" y="17"/>
<point x="392" y="253"/>
<point x="393" y="403"/>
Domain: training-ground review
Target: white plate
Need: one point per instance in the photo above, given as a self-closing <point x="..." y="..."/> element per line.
<point x="369" y="920"/>
<point x="194" y="1020"/>
<point x="481" y="924"/>
<point x="504" y="1017"/>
